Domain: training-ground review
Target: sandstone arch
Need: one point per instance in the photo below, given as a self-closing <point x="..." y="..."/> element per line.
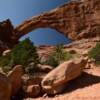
<point x="70" y="19"/>
<point x="76" y="20"/>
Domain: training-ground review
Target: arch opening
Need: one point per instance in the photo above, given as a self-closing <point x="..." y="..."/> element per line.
<point x="46" y="36"/>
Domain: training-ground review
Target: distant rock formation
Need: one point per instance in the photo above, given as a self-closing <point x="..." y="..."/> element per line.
<point x="76" y="20"/>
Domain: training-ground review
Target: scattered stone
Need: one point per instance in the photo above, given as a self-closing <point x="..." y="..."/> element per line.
<point x="45" y="95"/>
<point x="88" y="66"/>
<point x="72" y="52"/>
<point x="32" y="91"/>
<point x="91" y="60"/>
<point x="85" y="53"/>
<point x="15" y="76"/>
<point x="1" y="70"/>
<point x="6" y="52"/>
<point x="54" y="82"/>
<point x="32" y="84"/>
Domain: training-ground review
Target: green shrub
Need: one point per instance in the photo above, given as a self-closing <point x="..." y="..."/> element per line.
<point x="58" y="56"/>
<point x="23" y="53"/>
<point x="95" y="53"/>
<point x="5" y="62"/>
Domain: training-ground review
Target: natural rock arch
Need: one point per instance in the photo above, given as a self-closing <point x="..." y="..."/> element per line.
<point x="75" y="20"/>
<point x="70" y="19"/>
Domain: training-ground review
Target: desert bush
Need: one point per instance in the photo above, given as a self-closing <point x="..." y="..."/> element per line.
<point x="23" y="53"/>
<point x="5" y="62"/>
<point x="95" y="53"/>
<point x="58" y="56"/>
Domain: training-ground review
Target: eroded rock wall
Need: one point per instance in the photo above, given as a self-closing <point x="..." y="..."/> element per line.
<point x="7" y="35"/>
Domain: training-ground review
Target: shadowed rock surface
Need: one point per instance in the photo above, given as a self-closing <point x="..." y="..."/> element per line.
<point x="55" y="81"/>
<point x="7" y="35"/>
<point x="5" y="87"/>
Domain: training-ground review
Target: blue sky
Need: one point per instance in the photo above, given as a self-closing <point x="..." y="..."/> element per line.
<point x="19" y="10"/>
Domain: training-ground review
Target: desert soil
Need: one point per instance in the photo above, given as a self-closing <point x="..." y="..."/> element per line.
<point x="85" y="87"/>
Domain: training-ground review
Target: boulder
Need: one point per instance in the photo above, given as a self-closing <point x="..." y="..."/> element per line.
<point x="32" y="84"/>
<point x="15" y="76"/>
<point x="54" y="82"/>
<point x="85" y="53"/>
<point x="32" y="91"/>
<point x="5" y="87"/>
<point x="1" y="70"/>
<point x="6" y="52"/>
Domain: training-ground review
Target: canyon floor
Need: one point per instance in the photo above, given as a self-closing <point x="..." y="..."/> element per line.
<point x="86" y="87"/>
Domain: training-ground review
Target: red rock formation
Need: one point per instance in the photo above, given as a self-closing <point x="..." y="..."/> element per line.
<point x="6" y="35"/>
<point x="76" y="20"/>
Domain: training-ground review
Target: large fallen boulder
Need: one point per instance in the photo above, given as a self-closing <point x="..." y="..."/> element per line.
<point x="5" y="87"/>
<point x="55" y="81"/>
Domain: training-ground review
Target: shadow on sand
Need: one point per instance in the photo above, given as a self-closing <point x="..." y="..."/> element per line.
<point x="83" y="81"/>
